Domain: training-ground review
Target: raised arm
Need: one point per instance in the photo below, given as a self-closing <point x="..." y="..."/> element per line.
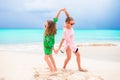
<point x="58" y="13"/>
<point x="66" y="13"/>
<point x="55" y="19"/>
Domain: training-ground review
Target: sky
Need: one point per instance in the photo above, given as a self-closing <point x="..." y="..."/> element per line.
<point x="88" y="14"/>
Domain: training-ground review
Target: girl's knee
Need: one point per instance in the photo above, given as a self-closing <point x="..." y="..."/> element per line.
<point x="77" y="54"/>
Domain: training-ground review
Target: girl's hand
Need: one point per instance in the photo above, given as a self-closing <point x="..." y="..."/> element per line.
<point x="67" y="14"/>
<point x="63" y="9"/>
<point x="56" y="51"/>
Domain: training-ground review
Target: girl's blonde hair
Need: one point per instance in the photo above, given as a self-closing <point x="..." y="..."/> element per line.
<point x="51" y="29"/>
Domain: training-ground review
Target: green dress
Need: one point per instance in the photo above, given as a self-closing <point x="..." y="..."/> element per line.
<point x="48" y="44"/>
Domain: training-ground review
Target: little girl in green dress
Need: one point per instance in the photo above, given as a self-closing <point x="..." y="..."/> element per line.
<point x="49" y="41"/>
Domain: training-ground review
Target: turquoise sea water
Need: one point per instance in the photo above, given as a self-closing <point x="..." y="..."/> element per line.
<point x="18" y="36"/>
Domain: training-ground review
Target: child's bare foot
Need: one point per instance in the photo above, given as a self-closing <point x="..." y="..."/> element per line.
<point x="52" y="73"/>
<point x="63" y="69"/>
<point x="83" y="70"/>
<point x="55" y="70"/>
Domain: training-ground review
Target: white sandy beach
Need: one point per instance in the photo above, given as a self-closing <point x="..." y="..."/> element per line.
<point x="26" y="62"/>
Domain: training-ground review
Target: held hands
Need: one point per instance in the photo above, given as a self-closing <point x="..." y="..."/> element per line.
<point x="56" y="51"/>
<point x="63" y="9"/>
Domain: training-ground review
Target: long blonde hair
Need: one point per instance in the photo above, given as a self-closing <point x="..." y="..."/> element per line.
<point x="51" y="29"/>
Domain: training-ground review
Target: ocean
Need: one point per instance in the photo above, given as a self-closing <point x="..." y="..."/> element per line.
<point x="18" y="36"/>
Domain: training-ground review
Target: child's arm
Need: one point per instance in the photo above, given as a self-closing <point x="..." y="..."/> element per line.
<point x="67" y="14"/>
<point x="54" y="50"/>
<point x="60" y="45"/>
<point x="58" y="13"/>
<point x="55" y="19"/>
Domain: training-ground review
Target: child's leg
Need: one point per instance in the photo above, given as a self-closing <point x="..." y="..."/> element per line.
<point x="53" y="62"/>
<point x="48" y="62"/>
<point x="79" y="62"/>
<point x="68" y="53"/>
